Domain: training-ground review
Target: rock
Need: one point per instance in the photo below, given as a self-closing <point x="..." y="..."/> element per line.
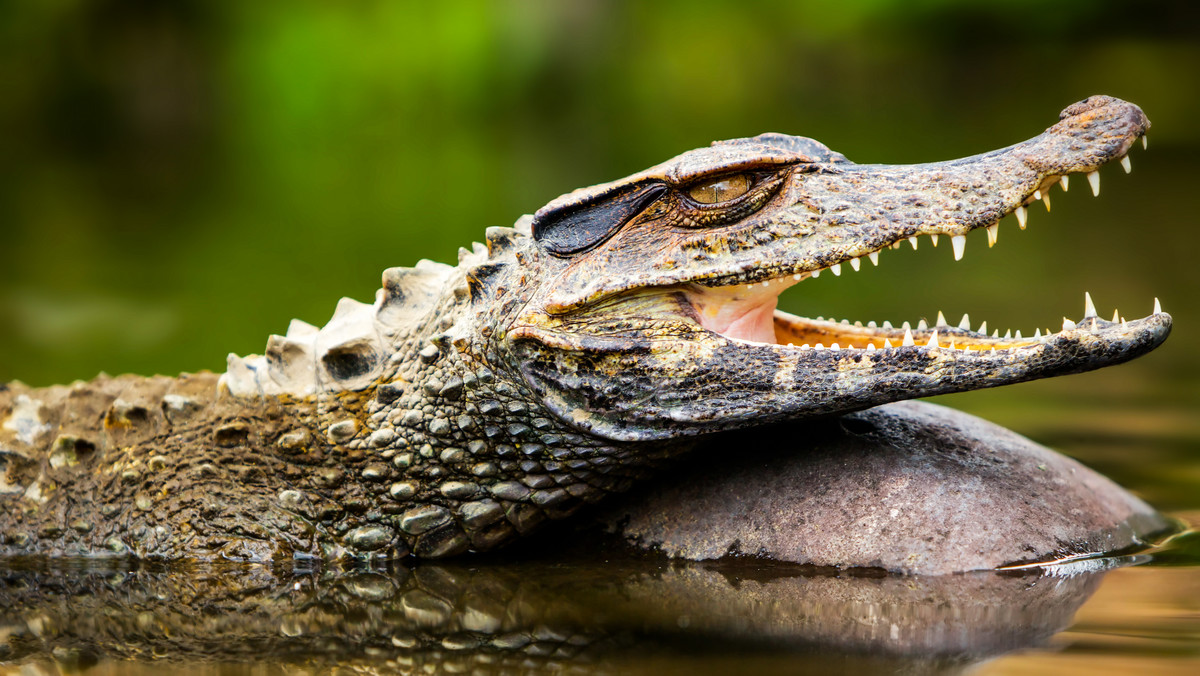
<point x="910" y="487"/>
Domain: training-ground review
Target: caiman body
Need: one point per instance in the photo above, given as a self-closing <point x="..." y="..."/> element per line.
<point x="567" y="358"/>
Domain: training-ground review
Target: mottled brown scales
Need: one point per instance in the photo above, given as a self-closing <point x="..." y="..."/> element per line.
<point x="557" y="363"/>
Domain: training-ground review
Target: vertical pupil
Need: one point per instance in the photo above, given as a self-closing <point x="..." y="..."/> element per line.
<point x="720" y="190"/>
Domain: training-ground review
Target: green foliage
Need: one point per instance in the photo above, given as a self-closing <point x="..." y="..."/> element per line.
<point x="182" y="178"/>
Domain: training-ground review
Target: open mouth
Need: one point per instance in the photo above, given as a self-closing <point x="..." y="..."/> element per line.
<point x="746" y="312"/>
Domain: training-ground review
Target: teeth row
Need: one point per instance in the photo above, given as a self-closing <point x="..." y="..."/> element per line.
<point x="1022" y="212"/>
<point x="1093" y="178"/>
<point x="1089" y="311"/>
<point x="959" y="242"/>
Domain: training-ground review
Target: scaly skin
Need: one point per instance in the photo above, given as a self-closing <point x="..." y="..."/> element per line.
<point x="564" y="360"/>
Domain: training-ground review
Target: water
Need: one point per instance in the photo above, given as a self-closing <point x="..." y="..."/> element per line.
<point x="1136" y="613"/>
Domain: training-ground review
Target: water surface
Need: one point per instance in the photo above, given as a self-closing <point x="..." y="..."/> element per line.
<point x="620" y="614"/>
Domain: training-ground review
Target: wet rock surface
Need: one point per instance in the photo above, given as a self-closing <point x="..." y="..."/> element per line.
<point x="908" y="487"/>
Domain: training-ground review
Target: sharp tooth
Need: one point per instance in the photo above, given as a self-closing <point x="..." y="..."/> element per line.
<point x="1143" y="141"/>
<point x="995" y="333"/>
<point x="887" y="343"/>
<point x="1049" y="332"/>
<point x="982" y="328"/>
<point x="870" y="347"/>
<point x="1037" y="333"/>
<point x="874" y="256"/>
<point x="1094" y="181"/>
<point x="921" y="325"/>
<point x="932" y="339"/>
<point x="1068" y="324"/>
<point x="965" y="324"/>
<point x="1157" y="306"/>
<point x="952" y="346"/>
<point x="1116" y="318"/>
<point x="871" y="324"/>
<point x="887" y="324"/>
<point x="913" y="242"/>
<point x="1126" y="165"/>
<point x="1021" y="216"/>
<point x="959" y="242"/>
<point x="993" y="231"/>
<point x="1008" y="334"/>
<point x="856" y="264"/>
<point x="1089" y="308"/>
<point x="1018" y="335"/>
<point x="1037" y="194"/>
<point x="836" y="269"/>
<point x="908" y="339"/>
<point x="816" y="273"/>
<point x="934" y="239"/>
<point x="1062" y="180"/>
<point x="941" y="320"/>
<point x="905" y="326"/>
<point x="1046" y="200"/>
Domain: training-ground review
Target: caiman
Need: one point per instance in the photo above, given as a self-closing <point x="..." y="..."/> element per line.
<point x="588" y="347"/>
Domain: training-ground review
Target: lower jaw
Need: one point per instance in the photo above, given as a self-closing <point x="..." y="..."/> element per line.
<point x="821" y="333"/>
<point x="748" y="313"/>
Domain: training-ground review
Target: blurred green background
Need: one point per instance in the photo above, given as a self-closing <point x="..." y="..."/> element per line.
<point x="179" y="179"/>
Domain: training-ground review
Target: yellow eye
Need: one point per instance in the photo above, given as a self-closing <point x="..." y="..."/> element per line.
<point x="720" y="189"/>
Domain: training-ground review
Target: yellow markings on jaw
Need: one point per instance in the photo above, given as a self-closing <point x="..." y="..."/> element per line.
<point x="785" y="373"/>
<point x="823" y="335"/>
<point x="885" y="342"/>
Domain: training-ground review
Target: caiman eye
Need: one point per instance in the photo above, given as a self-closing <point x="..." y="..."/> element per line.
<point x="720" y="189"/>
<point x="718" y="200"/>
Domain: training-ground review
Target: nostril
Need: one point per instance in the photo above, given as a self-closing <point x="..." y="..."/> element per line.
<point x="1088" y="104"/>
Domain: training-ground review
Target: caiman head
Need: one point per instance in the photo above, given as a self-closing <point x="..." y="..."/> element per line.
<point x="648" y="305"/>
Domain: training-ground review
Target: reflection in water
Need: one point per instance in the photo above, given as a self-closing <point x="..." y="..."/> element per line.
<point x="607" y="616"/>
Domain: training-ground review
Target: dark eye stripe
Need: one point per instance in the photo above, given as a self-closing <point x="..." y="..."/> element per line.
<point x="574" y="228"/>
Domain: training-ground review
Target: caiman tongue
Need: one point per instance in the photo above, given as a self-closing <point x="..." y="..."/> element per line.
<point x="744" y="312"/>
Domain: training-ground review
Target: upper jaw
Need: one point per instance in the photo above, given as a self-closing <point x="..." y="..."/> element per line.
<point x="866" y="208"/>
<point x="832" y="212"/>
<point x="853" y="211"/>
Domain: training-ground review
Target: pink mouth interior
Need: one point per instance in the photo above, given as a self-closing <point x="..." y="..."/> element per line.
<point x="745" y="312"/>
